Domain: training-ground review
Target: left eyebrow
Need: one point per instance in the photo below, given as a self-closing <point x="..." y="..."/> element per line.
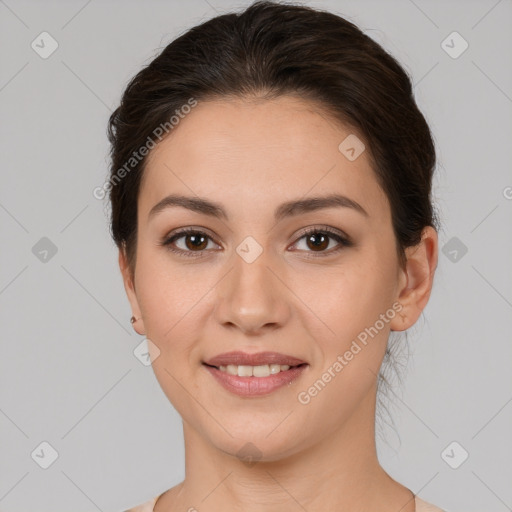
<point x="287" y="209"/>
<point x="310" y="204"/>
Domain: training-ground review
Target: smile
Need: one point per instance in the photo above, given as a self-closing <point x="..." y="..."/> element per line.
<point x="253" y="381"/>
<point x="254" y="371"/>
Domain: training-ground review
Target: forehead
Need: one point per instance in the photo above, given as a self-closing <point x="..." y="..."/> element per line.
<point x="258" y="153"/>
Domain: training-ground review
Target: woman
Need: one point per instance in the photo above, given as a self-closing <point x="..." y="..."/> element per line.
<point x="271" y="201"/>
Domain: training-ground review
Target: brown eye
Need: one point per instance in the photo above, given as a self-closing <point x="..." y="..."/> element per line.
<point x="194" y="242"/>
<point x="318" y="241"/>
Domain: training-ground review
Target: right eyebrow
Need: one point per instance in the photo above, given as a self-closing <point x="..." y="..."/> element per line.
<point x="196" y="204"/>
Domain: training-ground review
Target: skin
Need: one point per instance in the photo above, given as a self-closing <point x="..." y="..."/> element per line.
<point x="251" y="156"/>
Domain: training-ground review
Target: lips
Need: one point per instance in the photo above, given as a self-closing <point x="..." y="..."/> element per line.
<point x="239" y="358"/>
<point x="252" y="387"/>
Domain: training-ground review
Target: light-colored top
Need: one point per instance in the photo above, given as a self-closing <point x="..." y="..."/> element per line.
<point x="421" y="506"/>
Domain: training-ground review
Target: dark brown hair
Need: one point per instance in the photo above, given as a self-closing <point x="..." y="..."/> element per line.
<point x="272" y="49"/>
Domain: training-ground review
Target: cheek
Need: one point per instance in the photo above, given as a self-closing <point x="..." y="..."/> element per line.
<point x="353" y="347"/>
<point x="170" y="299"/>
<point x="349" y="298"/>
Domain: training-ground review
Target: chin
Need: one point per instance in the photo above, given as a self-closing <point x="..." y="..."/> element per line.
<point x="261" y="443"/>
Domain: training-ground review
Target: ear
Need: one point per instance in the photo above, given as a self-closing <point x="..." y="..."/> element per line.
<point x="129" y="286"/>
<point x="416" y="280"/>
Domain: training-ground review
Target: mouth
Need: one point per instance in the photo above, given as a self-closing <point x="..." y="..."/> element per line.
<point x="251" y="375"/>
<point x="238" y="358"/>
<point x="259" y="371"/>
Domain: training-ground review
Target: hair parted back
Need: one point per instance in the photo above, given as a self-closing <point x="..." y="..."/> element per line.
<point x="265" y="51"/>
<point x="272" y="49"/>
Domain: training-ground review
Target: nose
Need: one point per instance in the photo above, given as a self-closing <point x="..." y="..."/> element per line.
<point x="252" y="297"/>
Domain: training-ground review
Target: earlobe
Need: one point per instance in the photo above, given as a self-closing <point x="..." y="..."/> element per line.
<point x="129" y="286"/>
<point x="417" y="280"/>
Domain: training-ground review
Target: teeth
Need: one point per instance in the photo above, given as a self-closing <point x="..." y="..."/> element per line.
<point x="231" y="369"/>
<point x="263" y="370"/>
<point x="275" y="368"/>
<point x="244" y="371"/>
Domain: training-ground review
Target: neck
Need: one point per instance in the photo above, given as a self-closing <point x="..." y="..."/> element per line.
<point x="338" y="472"/>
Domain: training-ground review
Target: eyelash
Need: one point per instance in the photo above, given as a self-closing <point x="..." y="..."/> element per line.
<point x="343" y="241"/>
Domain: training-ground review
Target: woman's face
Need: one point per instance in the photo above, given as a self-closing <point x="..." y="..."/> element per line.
<point x="252" y="281"/>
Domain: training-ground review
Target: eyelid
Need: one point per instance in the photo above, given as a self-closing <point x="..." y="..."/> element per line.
<point x="169" y="239"/>
<point x="323" y="228"/>
<point x="334" y="233"/>
<point x="344" y="241"/>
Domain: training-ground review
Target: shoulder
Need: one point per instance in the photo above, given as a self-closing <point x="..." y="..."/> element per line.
<point x="423" y="506"/>
<point x="148" y="506"/>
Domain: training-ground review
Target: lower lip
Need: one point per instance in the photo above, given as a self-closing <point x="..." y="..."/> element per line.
<point x="255" y="386"/>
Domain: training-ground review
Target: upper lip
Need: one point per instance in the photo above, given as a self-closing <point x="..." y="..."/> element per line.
<point x="241" y="358"/>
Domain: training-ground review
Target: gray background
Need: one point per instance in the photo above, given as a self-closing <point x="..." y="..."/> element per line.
<point x="68" y="375"/>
